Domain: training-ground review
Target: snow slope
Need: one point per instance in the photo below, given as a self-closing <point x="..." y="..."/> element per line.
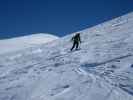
<point x="15" y="44"/>
<point x="101" y="70"/>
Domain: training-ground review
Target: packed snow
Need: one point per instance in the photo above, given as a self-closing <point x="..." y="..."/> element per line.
<point x="101" y="70"/>
<point x="19" y="43"/>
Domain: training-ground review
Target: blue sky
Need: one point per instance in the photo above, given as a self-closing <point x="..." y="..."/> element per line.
<point x="58" y="17"/>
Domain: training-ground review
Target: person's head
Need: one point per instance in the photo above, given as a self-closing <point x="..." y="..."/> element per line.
<point x="78" y="34"/>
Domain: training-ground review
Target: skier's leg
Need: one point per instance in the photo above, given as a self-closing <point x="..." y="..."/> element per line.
<point x="73" y="46"/>
<point x="77" y="46"/>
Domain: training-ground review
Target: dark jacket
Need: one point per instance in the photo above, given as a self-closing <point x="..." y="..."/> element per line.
<point x="76" y="38"/>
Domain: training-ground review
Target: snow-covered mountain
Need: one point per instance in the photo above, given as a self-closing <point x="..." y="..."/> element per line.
<point x="101" y="70"/>
<point x="19" y="43"/>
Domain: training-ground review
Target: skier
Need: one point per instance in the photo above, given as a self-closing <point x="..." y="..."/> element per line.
<point x="76" y="40"/>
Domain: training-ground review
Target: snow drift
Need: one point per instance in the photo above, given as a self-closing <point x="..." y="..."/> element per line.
<point x="19" y="43"/>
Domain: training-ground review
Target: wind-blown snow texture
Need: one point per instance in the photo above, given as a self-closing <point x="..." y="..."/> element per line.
<point x="23" y="42"/>
<point x="101" y="70"/>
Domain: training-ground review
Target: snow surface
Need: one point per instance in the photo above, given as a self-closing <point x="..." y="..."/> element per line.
<point x="18" y="43"/>
<point x="101" y="70"/>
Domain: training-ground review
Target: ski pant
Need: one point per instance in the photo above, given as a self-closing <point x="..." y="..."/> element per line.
<point x="75" y="44"/>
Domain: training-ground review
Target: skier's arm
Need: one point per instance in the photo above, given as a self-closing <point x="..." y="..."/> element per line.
<point x="72" y="38"/>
